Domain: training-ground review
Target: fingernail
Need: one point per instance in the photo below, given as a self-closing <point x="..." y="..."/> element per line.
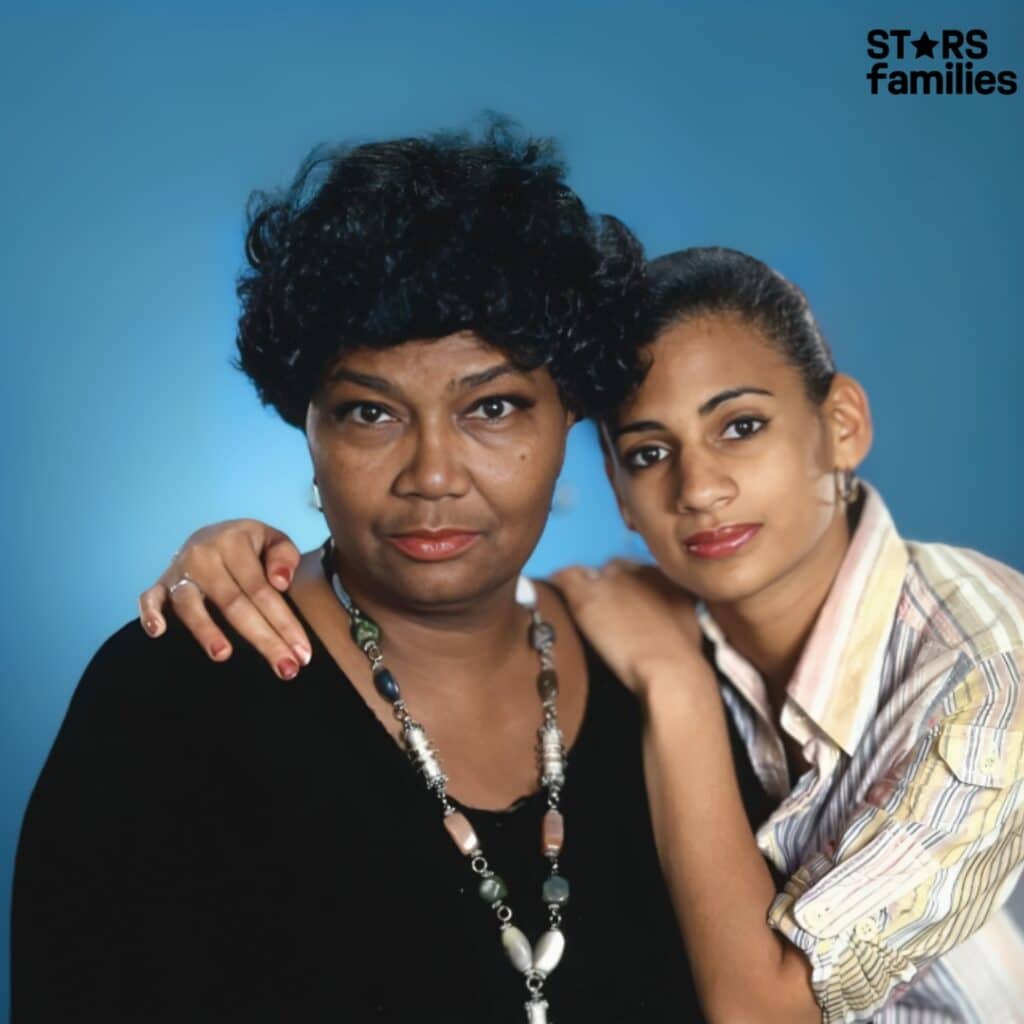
<point x="151" y="626"/>
<point x="303" y="653"/>
<point x="287" y="669"/>
<point x="218" y="649"/>
<point x="282" y="577"/>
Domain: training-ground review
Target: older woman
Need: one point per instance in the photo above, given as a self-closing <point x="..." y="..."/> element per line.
<point x="206" y="844"/>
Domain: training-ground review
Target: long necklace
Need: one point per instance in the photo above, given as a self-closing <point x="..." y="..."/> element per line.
<point x="535" y="963"/>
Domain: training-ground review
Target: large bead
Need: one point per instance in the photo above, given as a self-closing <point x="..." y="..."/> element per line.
<point x="517" y="946"/>
<point x="548" y="954"/>
<point x="547" y="684"/>
<point x="493" y="889"/>
<point x="387" y="685"/>
<point x="423" y="754"/>
<point x="550" y="755"/>
<point x="555" y="890"/>
<point x="462" y="832"/>
<point x="552" y="833"/>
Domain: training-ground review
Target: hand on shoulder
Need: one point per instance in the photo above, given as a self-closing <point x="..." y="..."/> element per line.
<point x="636" y="618"/>
<point x="240" y="567"/>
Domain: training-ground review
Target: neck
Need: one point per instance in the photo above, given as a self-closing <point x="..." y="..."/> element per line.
<point x="460" y="648"/>
<point x="771" y="628"/>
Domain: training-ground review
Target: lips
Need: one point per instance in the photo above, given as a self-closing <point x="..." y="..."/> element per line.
<point x="434" y="545"/>
<point x="722" y="542"/>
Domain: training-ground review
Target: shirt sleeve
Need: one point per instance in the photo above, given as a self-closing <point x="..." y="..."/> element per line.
<point x="927" y="858"/>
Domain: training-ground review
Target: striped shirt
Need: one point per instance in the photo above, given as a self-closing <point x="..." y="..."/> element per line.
<point x="906" y="835"/>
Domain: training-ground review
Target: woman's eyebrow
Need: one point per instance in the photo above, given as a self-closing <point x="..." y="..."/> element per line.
<point x="637" y="427"/>
<point x="474" y="380"/>
<point x="367" y="380"/>
<point x="724" y="396"/>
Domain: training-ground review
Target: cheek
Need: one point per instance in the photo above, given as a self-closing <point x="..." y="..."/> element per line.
<point x="350" y="482"/>
<point x="519" y="481"/>
<point x="795" y="491"/>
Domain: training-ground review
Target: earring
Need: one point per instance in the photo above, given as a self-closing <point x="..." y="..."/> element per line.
<point x="847" y="485"/>
<point x="316" y="497"/>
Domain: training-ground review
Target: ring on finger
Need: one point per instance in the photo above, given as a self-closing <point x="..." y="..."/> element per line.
<point x="591" y="573"/>
<point x="183" y="581"/>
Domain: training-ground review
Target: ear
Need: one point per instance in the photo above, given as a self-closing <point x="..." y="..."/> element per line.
<point x="848" y="418"/>
<point x="613" y="472"/>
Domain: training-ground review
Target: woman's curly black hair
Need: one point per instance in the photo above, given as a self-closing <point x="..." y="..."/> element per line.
<point x="418" y="238"/>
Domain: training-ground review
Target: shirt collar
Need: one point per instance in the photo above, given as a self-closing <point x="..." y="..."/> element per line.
<point x="836" y="682"/>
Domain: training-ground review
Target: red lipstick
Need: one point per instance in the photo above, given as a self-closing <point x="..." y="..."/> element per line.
<point x="721" y="543"/>
<point x="433" y="545"/>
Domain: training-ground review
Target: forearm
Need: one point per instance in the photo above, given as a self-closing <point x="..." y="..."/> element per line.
<point x="720" y="884"/>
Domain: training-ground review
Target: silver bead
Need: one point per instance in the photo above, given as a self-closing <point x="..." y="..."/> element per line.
<point x="548" y="953"/>
<point x="542" y="635"/>
<point x="517" y="946"/>
<point x="537" y="1011"/>
<point x="422" y="753"/>
<point x="551" y="755"/>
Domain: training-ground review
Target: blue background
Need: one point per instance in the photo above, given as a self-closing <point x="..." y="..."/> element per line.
<point x="131" y="138"/>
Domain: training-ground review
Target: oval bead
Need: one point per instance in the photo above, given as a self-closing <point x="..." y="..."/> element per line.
<point x="493" y="889"/>
<point x="548" y="954"/>
<point x="555" y="890"/>
<point x="461" y="831"/>
<point x="547" y="684"/>
<point x="387" y="685"/>
<point x="552" y="834"/>
<point x="517" y="946"/>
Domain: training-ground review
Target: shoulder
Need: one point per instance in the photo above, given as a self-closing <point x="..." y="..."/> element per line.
<point x="132" y="677"/>
<point x="963" y="600"/>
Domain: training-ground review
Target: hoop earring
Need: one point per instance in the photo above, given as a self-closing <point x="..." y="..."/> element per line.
<point x="316" y="497"/>
<point x="847" y="485"/>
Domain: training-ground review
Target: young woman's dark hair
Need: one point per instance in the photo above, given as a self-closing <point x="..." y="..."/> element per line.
<point x="694" y="282"/>
<point x="417" y="238"/>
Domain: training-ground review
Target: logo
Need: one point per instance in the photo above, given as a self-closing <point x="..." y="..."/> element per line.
<point x="946" y="64"/>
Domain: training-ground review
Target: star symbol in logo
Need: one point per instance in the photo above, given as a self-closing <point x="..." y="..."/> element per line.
<point x="924" y="45"/>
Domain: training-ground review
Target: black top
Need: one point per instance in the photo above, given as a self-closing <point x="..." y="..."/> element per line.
<point x="207" y="843"/>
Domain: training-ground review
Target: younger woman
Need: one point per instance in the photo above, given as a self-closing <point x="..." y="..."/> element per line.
<point x="876" y="682"/>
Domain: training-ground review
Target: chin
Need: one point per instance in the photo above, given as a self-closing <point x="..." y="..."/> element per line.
<point x="716" y="582"/>
<point x="436" y="584"/>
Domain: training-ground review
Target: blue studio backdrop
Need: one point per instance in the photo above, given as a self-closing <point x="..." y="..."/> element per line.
<point x="132" y="135"/>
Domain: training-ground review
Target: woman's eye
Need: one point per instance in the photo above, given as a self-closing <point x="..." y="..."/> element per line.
<point x="365" y="413"/>
<point x="649" y="455"/>
<point x="495" y="408"/>
<point x="744" y="427"/>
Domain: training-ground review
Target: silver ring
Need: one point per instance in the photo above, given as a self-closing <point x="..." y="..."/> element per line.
<point x="591" y="573"/>
<point x="184" y="581"/>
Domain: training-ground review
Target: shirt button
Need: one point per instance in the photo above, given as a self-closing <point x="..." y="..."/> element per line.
<point x="813" y="916"/>
<point x="866" y="928"/>
<point x="988" y="763"/>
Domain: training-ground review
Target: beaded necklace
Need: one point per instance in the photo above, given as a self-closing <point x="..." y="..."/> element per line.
<point x="535" y="963"/>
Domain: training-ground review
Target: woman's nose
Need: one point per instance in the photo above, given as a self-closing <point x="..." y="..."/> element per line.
<point x="434" y="466"/>
<point x="704" y="485"/>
